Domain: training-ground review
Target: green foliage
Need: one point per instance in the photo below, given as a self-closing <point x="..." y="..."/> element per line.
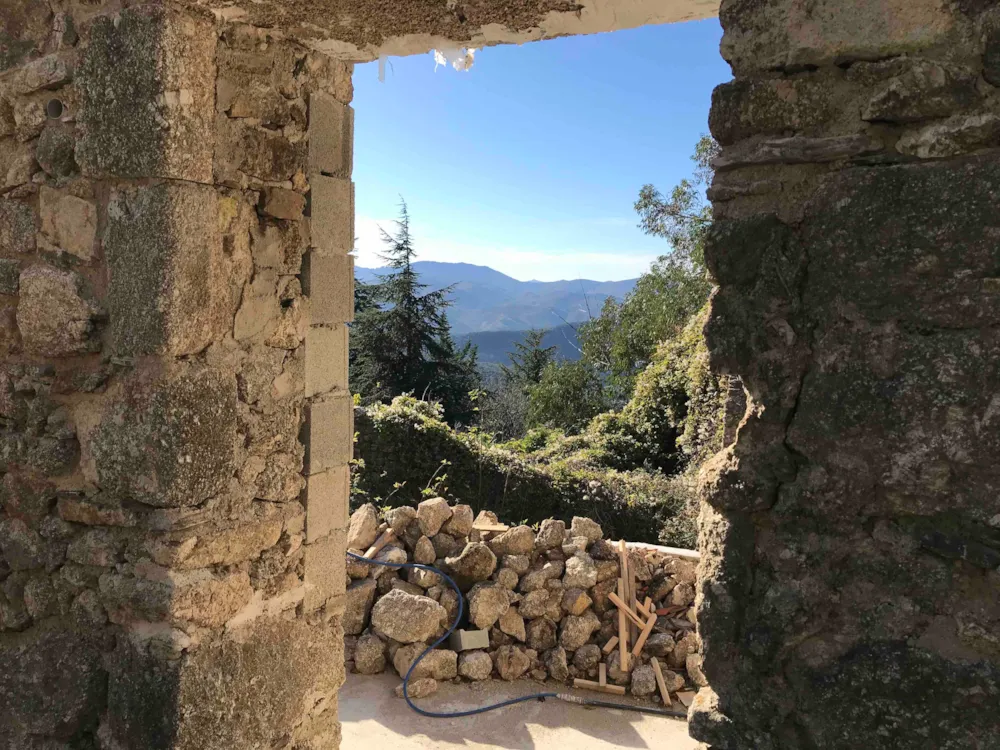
<point x="401" y="341"/>
<point x="529" y="360"/>
<point x="622" y="339"/>
<point x="408" y="440"/>
<point x="568" y="396"/>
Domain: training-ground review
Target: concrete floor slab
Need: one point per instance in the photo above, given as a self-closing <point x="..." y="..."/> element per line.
<point x="373" y="717"/>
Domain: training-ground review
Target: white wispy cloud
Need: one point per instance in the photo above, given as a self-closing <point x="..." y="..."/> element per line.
<point x="523" y="263"/>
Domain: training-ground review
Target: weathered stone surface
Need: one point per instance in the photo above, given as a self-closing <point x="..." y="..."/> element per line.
<point x="181" y="291"/>
<point x="556" y="664"/>
<point x="952" y="137"/>
<point x="581" y="573"/>
<point x="575" y="601"/>
<point x="460" y="523"/>
<point x="401" y="517"/>
<point x="68" y="222"/>
<point x="534" y="604"/>
<point x="643" y="681"/>
<point x="476" y="563"/>
<point x="445" y="545"/>
<point x="511" y="662"/>
<point x="487" y="604"/>
<point x="512" y="624"/>
<point x="692" y="665"/>
<point x="55" y="153"/>
<point x="745" y="108"/>
<point x="439" y="664"/>
<point x="283" y="204"/>
<point x="797" y="150"/>
<point x="17" y="227"/>
<point x="431" y="515"/>
<point x="139" y="119"/>
<point x="475" y="665"/>
<point x="23" y="548"/>
<point x="682" y="595"/>
<point x="576" y="631"/>
<point x="169" y="442"/>
<point x="55" y="315"/>
<point x="226" y="703"/>
<point x="541" y="634"/>
<point x="536" y="579"/>
<point x="586" y="527"/>
<point x="616" y="674"/>
<point x="923" y="91"/>
<point x="550" y="534"/>
<point x="407" y="618"/>
<point x="520" y="564"/>
<point x="358" y="606"/>
<point x="587" y="657"/>
<point x="421" y="688"/>
<point x="369" y="654"/>
<point x="506" y="578"/>
<point x="10" y="273"/>
<point x="659" y="644"/>
<point x="519" y="540"/>
<point x="51" y="685"/>
<point x="423" y="551"/>
<point x="364" y="527"/>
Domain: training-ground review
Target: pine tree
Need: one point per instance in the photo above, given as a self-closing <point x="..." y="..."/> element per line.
<point x="528" y="360"/>
<point x="401" y="340"/>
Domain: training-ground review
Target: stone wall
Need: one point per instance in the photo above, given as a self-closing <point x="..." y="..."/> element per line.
<point x="850" y="592"/>
<point x="175" y="216"/>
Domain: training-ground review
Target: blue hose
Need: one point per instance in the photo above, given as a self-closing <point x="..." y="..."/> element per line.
<point x="438" y="642"/>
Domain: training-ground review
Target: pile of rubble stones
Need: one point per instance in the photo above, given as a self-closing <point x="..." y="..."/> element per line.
<point x="543" y="596"/>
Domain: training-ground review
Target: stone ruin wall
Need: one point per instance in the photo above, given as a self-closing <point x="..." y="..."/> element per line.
<point x="542" y="595"/>
<point x="174" y="415"/>
<point x="850" y="590"/>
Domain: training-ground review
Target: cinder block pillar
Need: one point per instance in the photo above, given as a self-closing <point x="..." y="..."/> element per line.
<point x="175" y="432"/>
<point x="851" y="535"/>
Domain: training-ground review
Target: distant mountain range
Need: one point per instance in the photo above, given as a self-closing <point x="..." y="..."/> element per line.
<point x="494" y="346"/>
<point x="485" y="300"/>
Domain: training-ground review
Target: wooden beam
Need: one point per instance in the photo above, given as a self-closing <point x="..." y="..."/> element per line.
<point x="590" y="685"/>
<point x="624" y="608"/>
<point x="622" y="631"/>
<point x="610" y="645"/>
<point x="387" y="536"/>
<point x="664" y="693"/>
<point x="602" y="673"/>
<point x="646" y="631"/>
<point x="490" y="527"/>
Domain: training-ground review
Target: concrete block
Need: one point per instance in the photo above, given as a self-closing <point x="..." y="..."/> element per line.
<point x="331" y="136"/>
<point x="326" y="359"/>
<point x="327" y="503"/>
<point x="468" y="640"/>
<point x="325" y="570"/>
<point x="329" y="433"/>
<point x="332" y="211"/>
<point x="68" y="222"/>
<point x="328" y="281"/>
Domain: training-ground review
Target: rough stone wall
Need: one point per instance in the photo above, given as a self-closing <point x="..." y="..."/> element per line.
<point x="850" y="589"/>
<point x="175" y="216"/>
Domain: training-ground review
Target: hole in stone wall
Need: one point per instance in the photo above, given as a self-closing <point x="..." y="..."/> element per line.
<point x="54" y="109"/>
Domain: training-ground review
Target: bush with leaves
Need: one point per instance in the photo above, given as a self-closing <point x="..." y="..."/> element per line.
<point x="568" y="396"/>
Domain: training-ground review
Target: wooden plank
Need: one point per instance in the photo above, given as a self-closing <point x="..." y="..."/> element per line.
<point x="590" y="685"/>
<point x="645" y="609"/>
<point x="632" y="616"/>
<point x="490" y="527"/>
<point x="646" y="631"/>
<point x="610" y="645"/>
<point x="622" y="632"/>
<point x="634" y="602"/>
<point x="387" y="536"/>
<point x="664" y="693"/>
<point x="602" y="673"/>
<point x="628" y="594"/>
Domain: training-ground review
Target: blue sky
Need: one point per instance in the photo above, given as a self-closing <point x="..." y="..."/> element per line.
<point x="530" y="162"/>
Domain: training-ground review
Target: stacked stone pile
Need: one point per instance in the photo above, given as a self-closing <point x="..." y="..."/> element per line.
<point x="542" y="595"/>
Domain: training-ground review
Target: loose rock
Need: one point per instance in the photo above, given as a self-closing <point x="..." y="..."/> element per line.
<point x="576" y="631"/>
<point x="550" y="535"/>
<point x="586" y="527"/>
<point x="580" y="572"/>
<point x="487" y="604"/>
<point x="431" y="515"/>
<point x="369" y="654"/>
<point x="364" y="527"/>
<point x="643" y="681"/>
<point x="475" y="665"/>
<point x="511" y="662"/>
<point x="407" y="618"/>
<point x="476" y="563"/>
<point x="517" y="541"/>
<point x="358" y="605"/>
<point x="418" y="688"/>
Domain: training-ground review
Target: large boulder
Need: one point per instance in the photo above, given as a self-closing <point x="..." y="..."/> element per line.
<point x="551" y="534"/>
<point x="519" y="540"/>
<point x="369" y="654"/>
<point x="511" y="662"/>
<point x="439" y="664"/>
<point x="476" y="563"/>
<point x="541" y="634"/>
<point x="585" y="527"/>
<point x="487" y="604"/>
<point x="358" y="605"/>
<point x="475" y="665"/>
<point x="576" y="631"/>
<point x="460" y="523"/>
<point x="431" y="515"/>
<point x="581" y="573"/>
<point x="536" y="579"/>
<point x="643" y="680"/>
<point x="401" y="517"/>
<point x="364" y="527"/>
<point x="407" y="618"/>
